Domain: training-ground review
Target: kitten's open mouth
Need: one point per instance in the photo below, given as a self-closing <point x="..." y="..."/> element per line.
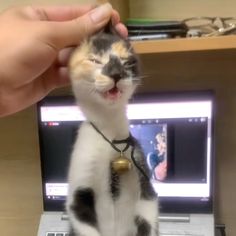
<point x="112" y="94"/>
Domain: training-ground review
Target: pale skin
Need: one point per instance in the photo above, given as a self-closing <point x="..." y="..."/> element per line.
<point x="35" y="46"/>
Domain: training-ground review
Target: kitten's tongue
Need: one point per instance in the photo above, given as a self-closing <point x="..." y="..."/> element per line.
<point x="113" y="93"/>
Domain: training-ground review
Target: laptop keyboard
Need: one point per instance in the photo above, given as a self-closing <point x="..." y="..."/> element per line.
<point x="180" y="235"/>
<point x="67" y="234"/>
<point x="57" y="234"/>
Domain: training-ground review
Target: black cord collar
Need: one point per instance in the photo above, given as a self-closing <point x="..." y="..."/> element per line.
<point x="129" y="142"/>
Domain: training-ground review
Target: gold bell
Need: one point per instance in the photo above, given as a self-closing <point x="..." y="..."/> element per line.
<point x="121" y="164"/>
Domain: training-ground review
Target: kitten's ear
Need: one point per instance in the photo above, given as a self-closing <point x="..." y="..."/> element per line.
<point x="109" y="29"/>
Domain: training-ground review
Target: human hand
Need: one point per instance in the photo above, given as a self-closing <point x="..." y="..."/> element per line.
<point x="35" y="46"/>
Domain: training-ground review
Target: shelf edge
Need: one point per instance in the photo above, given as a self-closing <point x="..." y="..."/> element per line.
<point x="185" y="44"/>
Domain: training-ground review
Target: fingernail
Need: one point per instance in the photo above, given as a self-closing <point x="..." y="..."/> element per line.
<point x="101" y="12"/>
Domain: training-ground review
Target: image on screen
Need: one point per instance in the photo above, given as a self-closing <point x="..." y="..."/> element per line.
<point x="153" y="140"/>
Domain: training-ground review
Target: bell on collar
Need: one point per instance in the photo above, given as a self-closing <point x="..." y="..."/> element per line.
<point x="121" y="164"/>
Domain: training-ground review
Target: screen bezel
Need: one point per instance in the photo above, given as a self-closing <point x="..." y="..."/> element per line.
<point x="167" y="204"/>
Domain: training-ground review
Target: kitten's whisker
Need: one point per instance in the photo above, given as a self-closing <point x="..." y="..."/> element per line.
<point x="142" y="77"/>
<point x="136" y="79"/>
<point x="92" y="90"/>
<point x="129" y="66"/>
<point x="130" y="48"/>
<point x="87" y="82"/>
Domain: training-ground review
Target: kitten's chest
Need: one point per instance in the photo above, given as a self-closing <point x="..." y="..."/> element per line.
<point x="99" y="154"/>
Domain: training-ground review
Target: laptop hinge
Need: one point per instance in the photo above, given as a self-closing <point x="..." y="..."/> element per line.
<point x="175" y="218"/>
<point x="162" y="218"/>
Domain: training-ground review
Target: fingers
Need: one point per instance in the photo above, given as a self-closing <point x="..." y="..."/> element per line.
<point x="65" y="13"/>
<point x="119" y="27"/>
<point x="67" y="25"/>
<point x="115" y="17"/>
<point x="122" y="30"/>
<point x="61" y="13"/>
<point x="72" y="32"/>
<point x="64" y="56"/>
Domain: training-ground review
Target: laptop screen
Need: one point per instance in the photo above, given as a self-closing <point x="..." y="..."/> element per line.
<point x="174" y="130"/>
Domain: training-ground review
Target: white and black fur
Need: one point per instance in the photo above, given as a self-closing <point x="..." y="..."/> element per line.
<point x="100" y="201"/>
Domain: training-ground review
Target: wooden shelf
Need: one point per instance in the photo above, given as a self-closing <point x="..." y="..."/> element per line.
<point x="172" y="45"/>
<point x="185" y="44"/>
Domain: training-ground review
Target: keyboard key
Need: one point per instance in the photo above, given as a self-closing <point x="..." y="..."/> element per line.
<point x="67" y="234"/>
<point x="50" y="234"/>
<point x="59" y="234"/>
<point x="178" y="235"/>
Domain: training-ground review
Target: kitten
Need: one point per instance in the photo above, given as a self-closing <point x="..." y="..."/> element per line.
<point x="102" y="201"/>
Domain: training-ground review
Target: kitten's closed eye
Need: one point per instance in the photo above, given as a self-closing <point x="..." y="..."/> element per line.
<point x="126" y="62"/>
<point x="130" y="62"/>
<point x="95" y="60"/>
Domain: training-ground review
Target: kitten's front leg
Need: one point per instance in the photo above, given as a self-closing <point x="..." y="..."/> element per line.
<point x="82" y="213"/>
<point x="146" y="215"/>
<point x="146" y="218"/>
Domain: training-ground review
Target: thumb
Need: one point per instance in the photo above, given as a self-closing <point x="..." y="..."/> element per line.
<point x="70" y="33"/>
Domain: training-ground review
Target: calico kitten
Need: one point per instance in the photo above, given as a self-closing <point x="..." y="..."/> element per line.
<point x="101" y="200"/>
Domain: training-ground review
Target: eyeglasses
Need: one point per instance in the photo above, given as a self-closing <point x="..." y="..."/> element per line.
<point x="210" y="26"/>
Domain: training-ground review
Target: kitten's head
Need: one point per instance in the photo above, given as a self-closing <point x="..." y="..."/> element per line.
<point x="104" y="70"/>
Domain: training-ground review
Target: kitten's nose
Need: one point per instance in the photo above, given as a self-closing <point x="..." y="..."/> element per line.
<point x="114" y="69"/>
<point x="116" y="76"/>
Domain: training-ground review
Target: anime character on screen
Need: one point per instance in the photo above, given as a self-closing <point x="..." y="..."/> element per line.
<point x="157" y="159"/>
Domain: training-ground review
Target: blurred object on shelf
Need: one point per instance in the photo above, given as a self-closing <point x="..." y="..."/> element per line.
<point x="147" y="29"/>
<point x="210" y="26"/>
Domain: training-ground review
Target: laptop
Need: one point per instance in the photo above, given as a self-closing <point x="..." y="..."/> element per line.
<point x="175" y="131"/>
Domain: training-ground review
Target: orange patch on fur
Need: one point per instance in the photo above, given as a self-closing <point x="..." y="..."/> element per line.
<point x="120" y="49"/>
<point x="79" y="65"/>
<point x="79" y="55"/>
<point x="81" y="69"/>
